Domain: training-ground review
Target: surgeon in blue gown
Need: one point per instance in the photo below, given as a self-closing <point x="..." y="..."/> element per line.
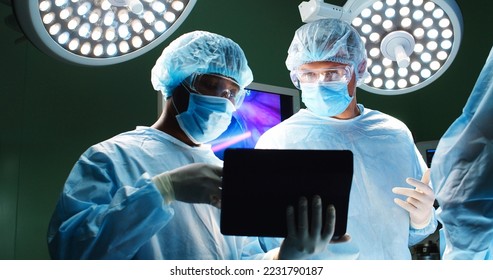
<point x="388" y="209"/>
<point x="462" y="175"/>
<point x="154" y="192"/>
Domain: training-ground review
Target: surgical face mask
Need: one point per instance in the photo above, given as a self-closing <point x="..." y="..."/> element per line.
<point x="206" y="118"/>
<point x="326" y="99"/>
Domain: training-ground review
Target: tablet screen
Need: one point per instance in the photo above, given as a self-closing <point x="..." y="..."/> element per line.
<point x="259" y="184"/>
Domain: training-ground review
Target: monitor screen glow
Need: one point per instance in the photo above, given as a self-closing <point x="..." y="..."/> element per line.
<point x="264" y="107"/>
<point x="429" y="156"/>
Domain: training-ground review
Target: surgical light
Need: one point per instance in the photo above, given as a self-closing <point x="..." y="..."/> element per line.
<point x="417" y="39"/>
<point x="99" y="32"/>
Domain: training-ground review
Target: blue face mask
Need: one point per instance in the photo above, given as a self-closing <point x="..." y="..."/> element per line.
<point x="206" y="118"/>
<point x="326" y="99"/>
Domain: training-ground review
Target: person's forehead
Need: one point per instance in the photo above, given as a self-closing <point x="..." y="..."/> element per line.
<point x="320" y="64"/>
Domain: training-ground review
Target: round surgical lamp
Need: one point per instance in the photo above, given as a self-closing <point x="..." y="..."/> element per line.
<point x="409" y="43"/>
<point x="99" y="32"/>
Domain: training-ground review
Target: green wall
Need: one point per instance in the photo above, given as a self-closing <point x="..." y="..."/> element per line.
<point x="50" y="111"/>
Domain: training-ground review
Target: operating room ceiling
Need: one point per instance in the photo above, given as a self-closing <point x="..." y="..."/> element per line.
<point x="449" y="92"/>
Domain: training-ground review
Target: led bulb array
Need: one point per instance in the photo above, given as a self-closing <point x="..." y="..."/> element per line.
<point x="426" y="24"/>
<point x="108" y="28"/>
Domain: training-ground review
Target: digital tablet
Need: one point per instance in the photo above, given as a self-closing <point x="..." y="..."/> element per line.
<point x="259" y="184"/>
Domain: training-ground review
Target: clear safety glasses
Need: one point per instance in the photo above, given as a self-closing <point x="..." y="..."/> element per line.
<point x="216" y="85"/>
<point x="324" y="75"/>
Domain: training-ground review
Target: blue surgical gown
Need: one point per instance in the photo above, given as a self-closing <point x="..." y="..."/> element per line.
<point x="110" y="209"/>
<point x="462" y="175"/>
<point x="384" y="156"/>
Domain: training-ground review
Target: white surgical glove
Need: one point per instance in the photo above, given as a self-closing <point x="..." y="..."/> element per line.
<point x="420" y="200"/>
<point x="304" y="240"/>
<point x="192" y="183"/>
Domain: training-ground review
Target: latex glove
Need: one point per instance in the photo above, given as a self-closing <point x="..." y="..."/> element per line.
<point x="420" y="200"/>
<point x="192" y="183"/>
<point x="304" y="240"/>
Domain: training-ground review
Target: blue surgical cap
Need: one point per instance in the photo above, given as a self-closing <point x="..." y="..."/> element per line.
<point x="328" y="40"/>
<point x="199" y="52"/>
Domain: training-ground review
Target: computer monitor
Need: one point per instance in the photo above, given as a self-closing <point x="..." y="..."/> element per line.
<point x="264" y="107"/>
<point x="429" y="156"/>
<point x="427" y="150"/>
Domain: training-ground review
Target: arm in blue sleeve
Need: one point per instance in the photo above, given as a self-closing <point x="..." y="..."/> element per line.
<point x="462" y="171"/>
<point x="418" y="235"/>
<point x="466" y="208"/>
<point x="97" y="218"/>
<point x="256" y="248"/>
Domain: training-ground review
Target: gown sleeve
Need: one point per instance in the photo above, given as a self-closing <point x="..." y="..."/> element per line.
<point x="87" y="222"/>
<point x="462" y="173"/>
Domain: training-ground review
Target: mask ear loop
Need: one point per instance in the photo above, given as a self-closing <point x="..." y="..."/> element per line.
<point x="174" y="106"/>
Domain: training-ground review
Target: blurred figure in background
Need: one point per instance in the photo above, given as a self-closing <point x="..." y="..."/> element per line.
<point x="462" y="175"/>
